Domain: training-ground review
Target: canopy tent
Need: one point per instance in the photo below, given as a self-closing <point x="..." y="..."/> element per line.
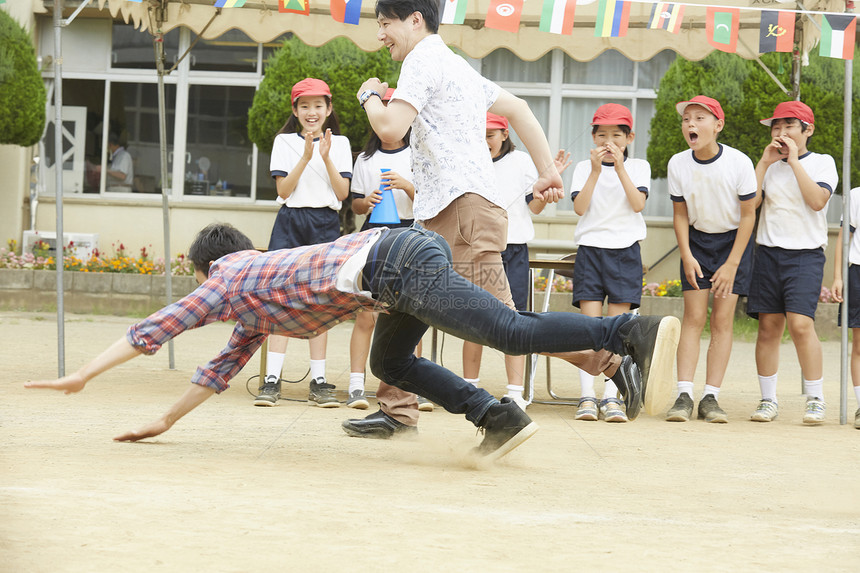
<point x="261" y="20"/>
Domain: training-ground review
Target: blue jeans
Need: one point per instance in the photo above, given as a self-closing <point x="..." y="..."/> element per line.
<point x="415" y="282"/>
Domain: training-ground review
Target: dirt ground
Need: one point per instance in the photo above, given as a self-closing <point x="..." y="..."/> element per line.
<point x="237" y="488"/>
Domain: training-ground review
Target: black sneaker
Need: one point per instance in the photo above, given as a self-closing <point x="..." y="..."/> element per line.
<point x="681" y="410"/>
<point x="269" y="392"/>
<point x="378" y="425"/>
<point x="710" y="411"/>
<point x="505" y="427"/>
<point x="652" y="342"/>
<point x="322" y="394"/>
<point x="628" y="380"/>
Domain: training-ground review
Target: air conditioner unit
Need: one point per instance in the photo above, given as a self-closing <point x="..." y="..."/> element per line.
<point x="82" y="244"/>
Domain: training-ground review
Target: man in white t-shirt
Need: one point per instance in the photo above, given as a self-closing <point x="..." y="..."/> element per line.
<point x="445" y="101"/>
<point x="120" y="173"/>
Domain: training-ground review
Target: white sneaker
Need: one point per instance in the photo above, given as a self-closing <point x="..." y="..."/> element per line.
<point x="518" y="400"/>
<point x="767" y="411"/>
<point x="814" y="413"/>
<point x="857" y="419"/>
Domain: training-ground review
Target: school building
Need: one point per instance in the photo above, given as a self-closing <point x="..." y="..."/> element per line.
<point x="216" y="173"/>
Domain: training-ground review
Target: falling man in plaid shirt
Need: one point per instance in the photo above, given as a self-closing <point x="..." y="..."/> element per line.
<point x="404" y="273"/>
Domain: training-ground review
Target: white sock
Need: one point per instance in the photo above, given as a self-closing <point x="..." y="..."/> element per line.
<point x="857" y="394"/>
<point x="274" y="364"/>
<point x="586" y="383"/>
<point x="317" y="369"/>
<point x="768" y="387"/>
<point x="814" y="388"/>
<point x="713" y="390"/>
<point x="514" y="390"/>
<point x="356" y="382"/>
<point x="610" y="390"/>
<point x="685" y="386"/>
<point x="473" y="381"/>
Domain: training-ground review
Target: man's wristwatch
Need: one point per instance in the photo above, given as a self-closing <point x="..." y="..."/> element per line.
<point x="365" y="95"/>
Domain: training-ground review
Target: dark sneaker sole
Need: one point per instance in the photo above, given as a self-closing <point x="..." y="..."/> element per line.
<point x="361" y="404"/>
<point x="324" y="404"/>
<point x="716" y="418"/>
<point x="678" y="416"/>
<point x="265" y="402"/>
<point x="660" y="386"/>
<point x="515" y="441"/>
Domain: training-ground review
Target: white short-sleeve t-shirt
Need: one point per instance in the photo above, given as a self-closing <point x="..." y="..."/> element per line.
<point x="515" y="176"/>
<point x="314" y="188"/>
<point x="714" y="188"/>
<point x="854" y="245"/>
<point x="449" y="149"/>
<point x="610" y="222"/>
<point x="786" y="220"/>
<point x="367" y="173"/>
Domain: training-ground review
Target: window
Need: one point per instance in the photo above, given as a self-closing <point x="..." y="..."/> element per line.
<point x="132" y="48"/>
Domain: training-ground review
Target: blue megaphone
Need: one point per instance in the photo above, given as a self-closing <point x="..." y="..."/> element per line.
<point x="385" y="212"/>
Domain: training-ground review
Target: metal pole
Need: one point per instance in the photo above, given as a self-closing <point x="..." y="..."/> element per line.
<point x="58" y="171"/>
<point x="845" y="368"/>
<point x="165" y="190"/>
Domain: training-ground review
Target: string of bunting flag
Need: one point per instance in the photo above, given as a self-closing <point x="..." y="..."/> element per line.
<point x="722" y="23"/>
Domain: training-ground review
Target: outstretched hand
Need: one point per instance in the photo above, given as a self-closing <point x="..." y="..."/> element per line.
<point x="67" y="384"/>
<point x="147" y="431"/>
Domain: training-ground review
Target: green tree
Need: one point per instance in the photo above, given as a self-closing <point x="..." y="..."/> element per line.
<point x="747" y="95"/>
<point x="22" y="93"/>
<point x="342" y="65"/>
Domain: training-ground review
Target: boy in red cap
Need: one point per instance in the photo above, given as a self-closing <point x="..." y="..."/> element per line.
<point x="713" y="189"/>
<point x="796" y="185"/>
<point x="608" y="192"/>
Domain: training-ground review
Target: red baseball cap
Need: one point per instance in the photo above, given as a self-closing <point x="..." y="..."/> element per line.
<point x="309" y="87"/>
<point x="387" y="95"/>
<point x="612" y="114"/>
<point x="706" y="102"/>
<point x="496" y="121"/>
<point x="787" y="109"/>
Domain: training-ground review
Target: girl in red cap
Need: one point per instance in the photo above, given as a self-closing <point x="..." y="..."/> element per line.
<point x="608" y="192"/>
<point x="396" y="159"/>
<point x="312" y="166"/>
<point x="713" y="191"/>
<point x="796" y="185"/>
<point x="515" y="176"/>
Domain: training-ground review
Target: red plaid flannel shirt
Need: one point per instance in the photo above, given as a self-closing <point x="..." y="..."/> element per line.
<point x="290" y="292"/>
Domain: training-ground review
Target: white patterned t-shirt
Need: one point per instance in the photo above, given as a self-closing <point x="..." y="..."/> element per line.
<point x="449" y="148"/>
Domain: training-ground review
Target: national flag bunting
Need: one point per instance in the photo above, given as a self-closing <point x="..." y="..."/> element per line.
<point x="346" y="11"/>
<point x="557" y="16"/>
<point x="295" y="6"/>
<point x="453" y="11"/>
<point x="612" y="18"/>
<point x="837" y="36"/>
<point x="229" y="3"/>
<point x="666" y="16"/>
<point x="722" y="26"/>
<point x="776" y="32"/>
<point x="504" y="15"/>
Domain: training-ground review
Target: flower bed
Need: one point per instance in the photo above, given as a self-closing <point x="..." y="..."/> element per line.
<point x="119" y="262"/>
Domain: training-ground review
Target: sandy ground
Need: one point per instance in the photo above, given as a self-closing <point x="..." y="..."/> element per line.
<point x="237" y="488"/>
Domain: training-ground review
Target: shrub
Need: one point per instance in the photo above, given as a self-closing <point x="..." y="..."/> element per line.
<point x="342" y="65"/>
<point x="22" y="93"/>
